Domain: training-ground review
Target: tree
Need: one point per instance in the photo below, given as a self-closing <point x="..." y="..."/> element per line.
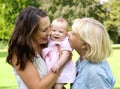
<point x="9" y="12"/>
<point x="113" y="21"/>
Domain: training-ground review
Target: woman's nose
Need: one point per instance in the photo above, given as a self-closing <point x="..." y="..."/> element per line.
<point x="48" y="33"/>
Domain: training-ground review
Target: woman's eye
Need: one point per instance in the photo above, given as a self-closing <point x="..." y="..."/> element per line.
<point x="70" y="33"/>
<point x="73" y="33"/>
<point x="44" y="30"/>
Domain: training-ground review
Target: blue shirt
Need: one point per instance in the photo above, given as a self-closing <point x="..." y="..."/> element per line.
<point x="93" y="76"/>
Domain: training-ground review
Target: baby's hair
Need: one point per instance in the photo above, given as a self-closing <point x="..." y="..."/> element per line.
<point x="60" y="20"/>
<point x="96" y="38"/>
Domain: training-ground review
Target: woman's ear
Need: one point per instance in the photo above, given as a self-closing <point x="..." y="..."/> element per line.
<point x="84" y="46"/>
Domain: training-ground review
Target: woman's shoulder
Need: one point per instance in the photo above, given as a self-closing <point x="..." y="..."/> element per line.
<point x="40" y="65"/>
<point x="101" y="72"/>
<point x="99" y="69"/>
<point x="96" y="67"/>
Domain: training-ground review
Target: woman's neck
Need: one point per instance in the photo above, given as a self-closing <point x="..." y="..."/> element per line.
<point x="38" y="49"/>
<point x="81" y="54"/>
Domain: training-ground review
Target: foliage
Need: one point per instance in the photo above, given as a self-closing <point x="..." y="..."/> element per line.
<point x="74" y="9"/>
<point x="107" y="13"/>
<point x="9" y="10"/>
<point x="113" y="21"/>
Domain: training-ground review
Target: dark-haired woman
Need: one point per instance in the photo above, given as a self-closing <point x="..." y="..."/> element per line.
<point x="24" y="50"/>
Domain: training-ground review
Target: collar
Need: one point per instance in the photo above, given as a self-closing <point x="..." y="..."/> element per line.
<point x="80" y="64"/>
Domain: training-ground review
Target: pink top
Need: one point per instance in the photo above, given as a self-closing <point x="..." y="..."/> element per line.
<point x="51" y="56"/>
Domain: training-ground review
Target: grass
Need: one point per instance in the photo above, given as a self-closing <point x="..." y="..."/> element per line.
<point x="8" y="81"/>
<point x="114" y="62"/>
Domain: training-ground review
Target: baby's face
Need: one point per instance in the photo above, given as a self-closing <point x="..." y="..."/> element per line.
<point x="58" y="33"/>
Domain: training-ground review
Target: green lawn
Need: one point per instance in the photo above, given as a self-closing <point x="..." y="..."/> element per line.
<point x="7" y="79"/>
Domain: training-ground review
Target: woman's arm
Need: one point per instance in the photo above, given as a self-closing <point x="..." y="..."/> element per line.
<point x="31" y="77"/>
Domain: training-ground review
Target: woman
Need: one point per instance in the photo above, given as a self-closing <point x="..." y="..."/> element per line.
<point x="93" y="46"/>
<point x="25" y="48"/>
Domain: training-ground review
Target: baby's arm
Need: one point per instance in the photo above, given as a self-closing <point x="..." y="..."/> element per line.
<point x="64" y="58"/>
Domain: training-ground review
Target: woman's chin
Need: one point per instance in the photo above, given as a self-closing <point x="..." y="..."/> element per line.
<point x="45" y="42"/>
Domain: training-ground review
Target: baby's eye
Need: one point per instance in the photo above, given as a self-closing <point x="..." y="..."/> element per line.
<point x="53" y="30"/>
<point x="61" y="31"/>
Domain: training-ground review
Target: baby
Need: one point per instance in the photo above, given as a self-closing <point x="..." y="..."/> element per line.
<point x="57" y="51"/>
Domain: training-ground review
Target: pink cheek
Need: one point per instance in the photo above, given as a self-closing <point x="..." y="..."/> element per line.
<point x="70" y="39"/>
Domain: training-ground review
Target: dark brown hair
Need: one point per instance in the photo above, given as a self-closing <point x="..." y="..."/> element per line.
<point x="21" y="40"/>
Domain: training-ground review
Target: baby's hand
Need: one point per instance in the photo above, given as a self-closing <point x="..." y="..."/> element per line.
<point x="55" y="68"/>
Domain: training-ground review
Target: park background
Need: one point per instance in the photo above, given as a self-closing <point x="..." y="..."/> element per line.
<point x="106" y="11"/>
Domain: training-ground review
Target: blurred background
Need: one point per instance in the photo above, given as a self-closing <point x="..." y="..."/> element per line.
<point x="106" y="11"/>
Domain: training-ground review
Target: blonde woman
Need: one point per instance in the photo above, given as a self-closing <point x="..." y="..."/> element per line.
<point x="93" y="46"/>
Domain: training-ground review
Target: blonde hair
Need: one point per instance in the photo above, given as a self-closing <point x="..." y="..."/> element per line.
<point x="96" y="38"/>
<point x="63" y="23"/>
